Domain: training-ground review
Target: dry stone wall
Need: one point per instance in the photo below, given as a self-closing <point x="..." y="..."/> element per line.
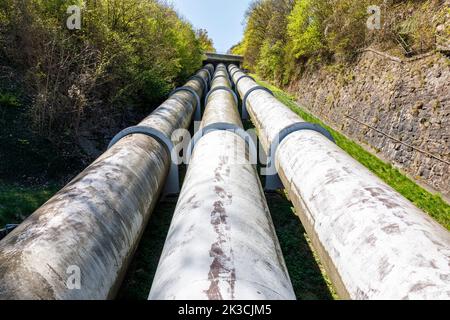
<point x="377" y="97"/>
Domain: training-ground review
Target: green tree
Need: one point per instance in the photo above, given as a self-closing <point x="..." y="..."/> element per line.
<point x="206" y="42"/>
<point x="127" y="56"/>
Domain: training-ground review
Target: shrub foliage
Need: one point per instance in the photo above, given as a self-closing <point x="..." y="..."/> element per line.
<point x="128" y="55"/>
<point x="281" y="36"/>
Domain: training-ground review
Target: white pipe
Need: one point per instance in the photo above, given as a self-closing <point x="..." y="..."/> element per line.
<point x="78" y="245"/>
<point x="222" y="243"/>
<point x="374" y="243"/>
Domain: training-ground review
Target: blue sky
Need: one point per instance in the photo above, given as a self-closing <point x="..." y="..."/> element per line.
<point x="222" y="18"/>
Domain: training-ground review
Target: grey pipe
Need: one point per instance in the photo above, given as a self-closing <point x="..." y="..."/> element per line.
<point x="94" y="224"/>
<point x="374" y="243"/>
<point x="221" y="243"/>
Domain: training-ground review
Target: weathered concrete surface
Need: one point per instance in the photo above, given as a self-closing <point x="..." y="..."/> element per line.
<point x="221" y="106"/>
<point x="267" y="113"/>
<point x="374" y="243"/>
<point x="221" y="244"/>
<point x="381" y="245"/>
<point x="96" y="221"/>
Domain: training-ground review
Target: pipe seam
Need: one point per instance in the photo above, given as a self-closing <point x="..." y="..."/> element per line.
<point x="203" y="81"/>
<point x="295" y="128"/>
<point x="172" y="185"/>
<point x="244" y="100"/>
<point x="210" y="75"/>
<point x="223" y="76"/>
<point x="198" y="109"/>
<point x="222" y="126"/>
<point x="232" y="73"/>
<point x="244" y="77"/>
<point x="273" y="181"/>
<point x="224" y="89"/>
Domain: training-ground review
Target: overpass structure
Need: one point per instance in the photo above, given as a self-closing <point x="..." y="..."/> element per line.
<point x="373" y="242"/>
<point x="216" y="58"/>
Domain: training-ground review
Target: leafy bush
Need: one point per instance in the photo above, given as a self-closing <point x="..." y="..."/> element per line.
<point x="281" y="36"/>
<point x="128" y="55"/>
<point x="305" y="29"/>
<point x="206" y="43"/>
<point x="9" y="100"/>
<point x="346" y="27"/>
<point x="271" y="60"/>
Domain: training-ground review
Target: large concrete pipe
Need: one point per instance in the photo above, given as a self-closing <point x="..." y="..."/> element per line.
<point x="374" y="243"/>
<point x="221" y="243"/>
<point x="78" y="245"/>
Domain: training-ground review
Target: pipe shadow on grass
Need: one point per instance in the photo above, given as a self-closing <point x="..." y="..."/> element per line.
<point x="306" y="276"/>
<point x="139" y="278"/>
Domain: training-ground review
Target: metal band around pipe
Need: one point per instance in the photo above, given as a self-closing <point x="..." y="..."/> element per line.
<point x="198" y="109"/>
<point x="222" y="88"/>
<point x="244" y="101"/>
<point x="243" y="77"/>
<point x="223" y="76"/>
<point x="221" y="126"/>
<point x="210" y="76"/>
<point x="173" y="181"/>
<point x="273" y="181"/>
<point x="203" y="81"/>
<point x="232" y="73"/>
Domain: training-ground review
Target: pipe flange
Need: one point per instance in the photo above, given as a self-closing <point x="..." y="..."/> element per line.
<point x="223" y="76"/>
<point x="299" y="126"/>
<point x="203" y="81"/>
<point x="210" y="75"/>
<point x="273" y="181"/>
<point x="222" y="126"/>
<point x="232" y="73"/>
<point x="173" y="183"/>
<point x="244" y="101"/>
<point x="225" y="89"/>
<point x="244" y="77"/>
<point x="198" y="109"/>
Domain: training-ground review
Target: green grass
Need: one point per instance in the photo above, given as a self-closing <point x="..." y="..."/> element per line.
<point x="432" y="204"/>
<point x="17" y="203"/>
<point x="140" y="274"/>
<point x="307" y="275"/>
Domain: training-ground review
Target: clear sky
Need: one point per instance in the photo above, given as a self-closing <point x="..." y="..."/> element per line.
<point x="223" y="19"/>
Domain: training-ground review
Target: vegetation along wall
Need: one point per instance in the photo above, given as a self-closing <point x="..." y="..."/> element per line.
<point x="385" y="86"/>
